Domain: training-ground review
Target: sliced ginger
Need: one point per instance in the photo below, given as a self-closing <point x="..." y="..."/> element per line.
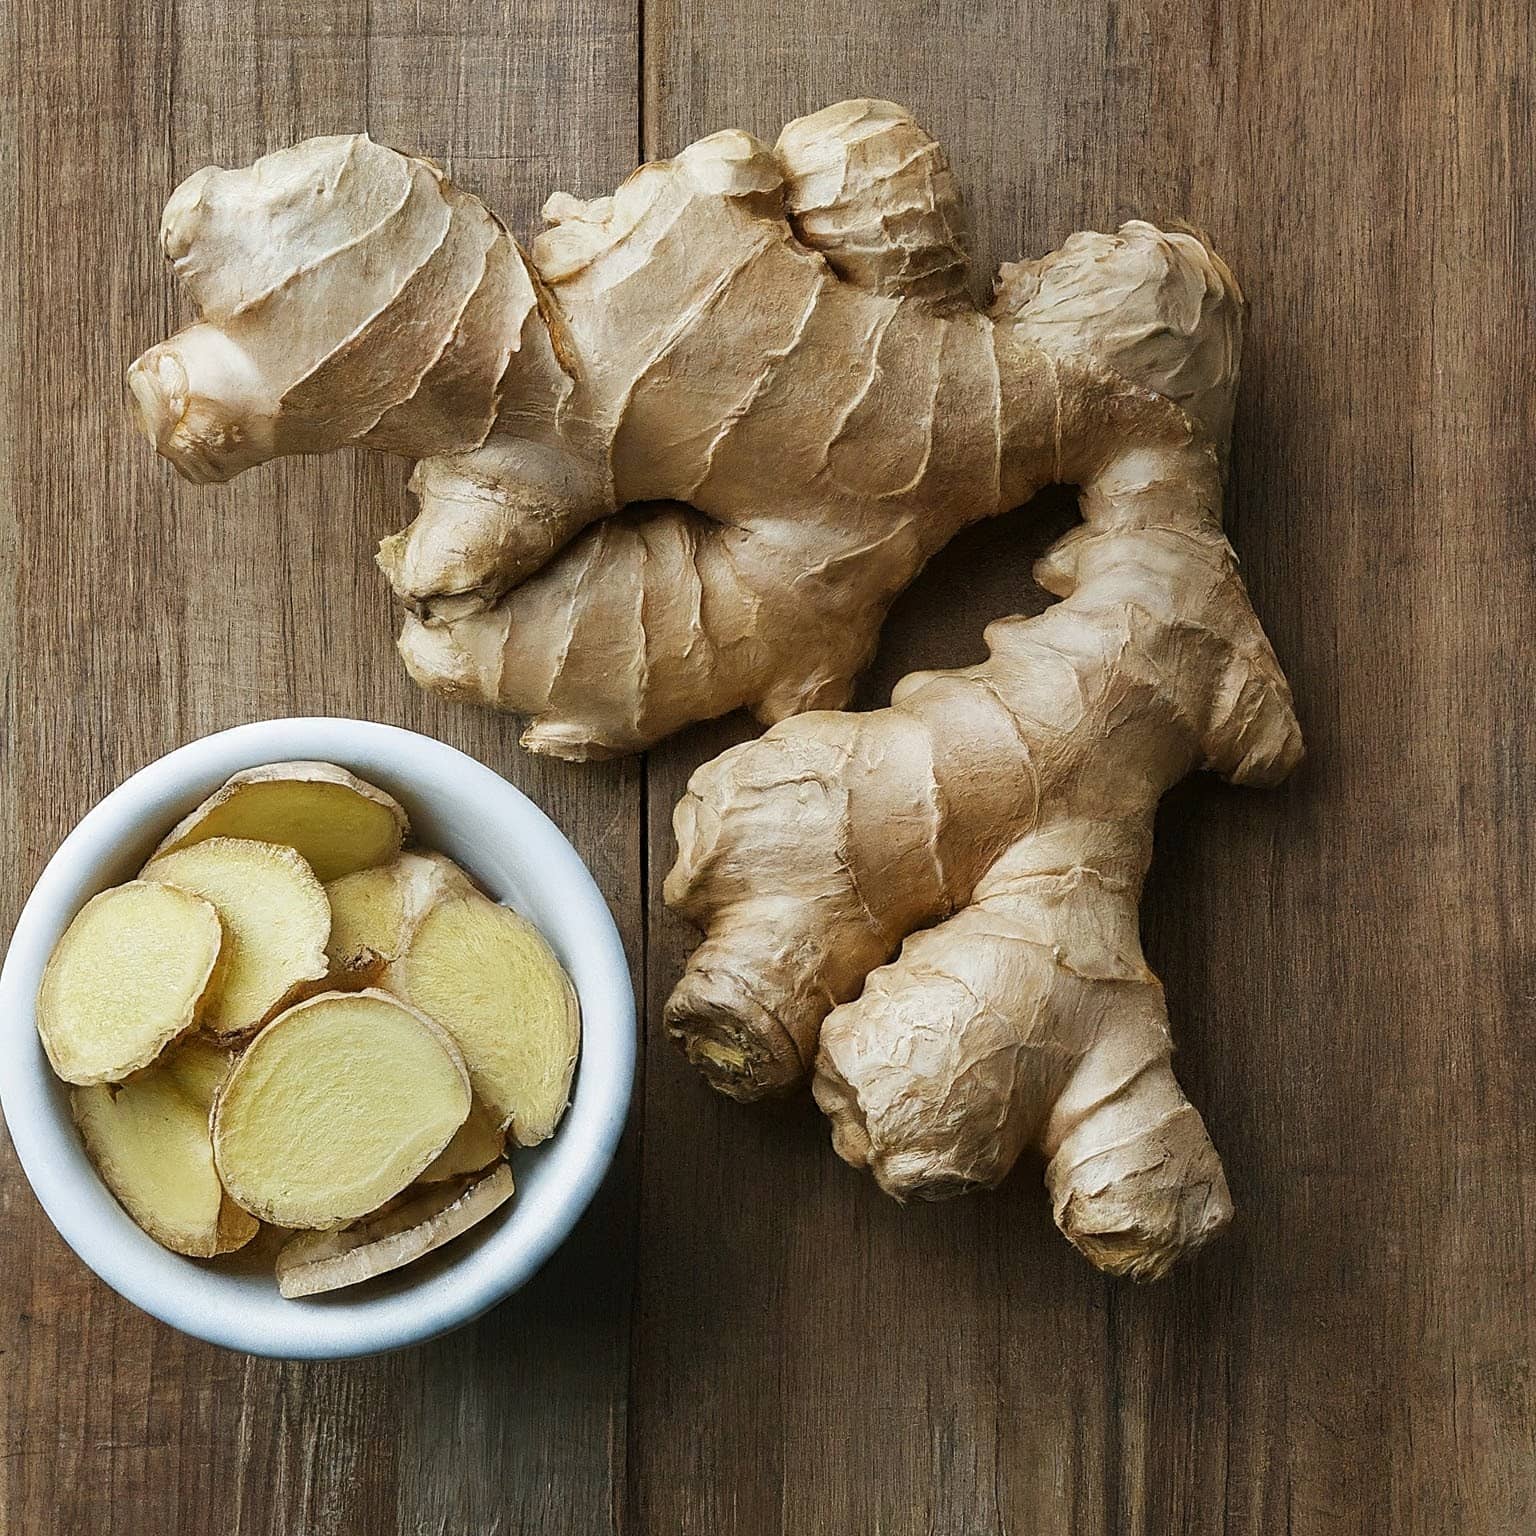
<point x="130" y="975"/>
<point x="366" y="916"/>
<point x="480" y="970"/>
<point x="335" y="1107"/>
<point x="336" y="821"/>
<point x="375" y="911"/>
<point x="475" y="1145"/>
<point x="199" y="1066"/>
<point x="151" y="1143"/>
<point x="327" y="1261"/>
<point x="487" y="975"/>
<point x="276" y="923"/>
<point x="372" y="1118"/>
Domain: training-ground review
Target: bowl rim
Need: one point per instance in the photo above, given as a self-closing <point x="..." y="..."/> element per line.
<point x="185" y="1293"/>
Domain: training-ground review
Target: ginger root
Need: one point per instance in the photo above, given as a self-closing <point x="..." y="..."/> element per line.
<point x="335" y="1107"/>
<point x="151" y="1142"/>
<point x="931" y="909"/>
<point x="770" y="355"/>
<point x="771" y="358"/>
<point x="276" y="922"/>
<point x="334" y="820"/>
<point x="132" y="973"/>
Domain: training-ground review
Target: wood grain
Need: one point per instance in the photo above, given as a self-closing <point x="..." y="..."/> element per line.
<point x="744" y="1335"/>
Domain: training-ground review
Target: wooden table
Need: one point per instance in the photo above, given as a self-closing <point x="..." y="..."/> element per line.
<point x="744" y="1336"/>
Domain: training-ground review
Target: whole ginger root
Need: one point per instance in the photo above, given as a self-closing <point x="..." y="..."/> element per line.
<point x="931" y="909"/>
<point x="770" y="356"/>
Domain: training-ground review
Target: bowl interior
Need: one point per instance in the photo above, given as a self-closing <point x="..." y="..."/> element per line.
<point x="457" y="806"/>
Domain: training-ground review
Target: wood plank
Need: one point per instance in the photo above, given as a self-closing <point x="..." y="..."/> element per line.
<point x="1345" y="959"/>
<point x="148" y="613"/>
<point x="11" y="337"/>
<point x="92" y="628"/>
<point x="883" y="1346"/>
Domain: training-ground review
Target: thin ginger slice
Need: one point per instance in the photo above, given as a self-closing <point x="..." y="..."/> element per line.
<point x="199" y="1067"/>
<point x="325" y="1261"/>
<point x="276" y="923"/>
<point x="374" y="912"/>
<point x="335" y="1107"/>
<point x="131" y="974"/>
<point x="336" y="821"/>
<point x="488" y="976"/>
<point x="366" y="917"/>
<point x="150" y="1141"/>
<point x="475" y="1145"/>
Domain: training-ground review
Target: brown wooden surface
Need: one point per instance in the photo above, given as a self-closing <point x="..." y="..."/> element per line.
<point x="744" y="1336"/>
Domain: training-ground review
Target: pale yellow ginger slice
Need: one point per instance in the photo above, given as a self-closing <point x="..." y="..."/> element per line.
<point x="338" y="822"/>
<point x="475" y="1145"/>
<point x="335" y="1107"/>
<point x="151" y="1143"/>
<point x="131" y="974"/>
<point x="486" y="974"/>
<point x="479" y="969"/>
<point x="375" y="911"/>
<point x="366" y="916"/>
<point x="199" y="1067"/>
<point x="327" y="1261"/>
<point x="276" y="923"/>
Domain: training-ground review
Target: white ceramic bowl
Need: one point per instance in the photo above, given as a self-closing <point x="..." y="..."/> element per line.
<point x="468" y="812"/>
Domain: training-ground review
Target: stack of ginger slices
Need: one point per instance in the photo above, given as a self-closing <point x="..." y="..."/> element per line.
<point x="288" y="1020"/>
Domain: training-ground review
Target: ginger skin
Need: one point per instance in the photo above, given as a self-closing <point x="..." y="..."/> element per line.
<point x="770" y="354"/>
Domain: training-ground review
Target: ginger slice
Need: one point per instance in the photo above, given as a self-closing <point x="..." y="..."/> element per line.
<point x="199" y="1067"/>
<point x="151" y="1143"/>
<point x="276" y="923"/>
<point x="336" y="821"/>
<point x="375" y="911"/>
<point x="475" y="1145"/>
<point x="479" y="969"/>
<point x="488" y="976"/>
<point x="130" y="975"/>
<point x="366" y="916"/>
<point x="335" y="1107"/>
<point x="326" y="1261"/>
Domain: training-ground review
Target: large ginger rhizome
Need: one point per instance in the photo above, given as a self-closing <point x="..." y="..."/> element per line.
<point x="678" y="458"/>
